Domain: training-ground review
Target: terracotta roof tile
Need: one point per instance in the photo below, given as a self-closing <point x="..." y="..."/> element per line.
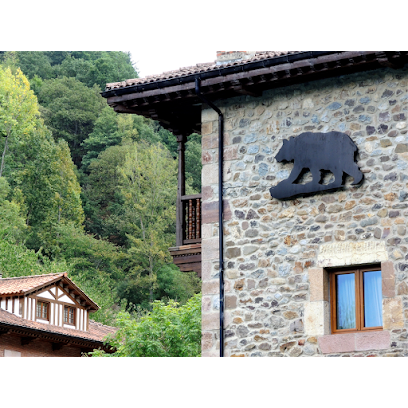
<point x="195" y="69"/>
<point x="20" y="285"/>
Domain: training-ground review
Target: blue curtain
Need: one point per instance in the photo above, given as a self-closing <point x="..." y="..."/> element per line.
<point x="372" y="299"/>
<point x="346" y="301"/>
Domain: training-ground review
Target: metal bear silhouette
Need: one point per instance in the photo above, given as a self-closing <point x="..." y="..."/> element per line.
<point x="318" y="152"/>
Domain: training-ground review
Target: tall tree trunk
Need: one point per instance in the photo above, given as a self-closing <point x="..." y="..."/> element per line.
<point x="3" y="156"/>
<point x="151" y="279"/>
<point x="150" y="263"/>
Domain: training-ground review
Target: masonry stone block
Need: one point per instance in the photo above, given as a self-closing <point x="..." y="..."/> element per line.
<point x="319" y="284"/>
<point x="375" y="340"/>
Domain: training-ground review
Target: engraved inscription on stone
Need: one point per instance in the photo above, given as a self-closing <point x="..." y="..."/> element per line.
<point x="351" y="253"/>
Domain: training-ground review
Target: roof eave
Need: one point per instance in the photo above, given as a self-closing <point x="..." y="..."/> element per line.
<point x="52" y="336"/>
<point x="176" y="106"/>
<point x="219" y="72"/>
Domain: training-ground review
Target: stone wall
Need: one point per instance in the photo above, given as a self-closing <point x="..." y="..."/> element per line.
<point x="276" y="251"/>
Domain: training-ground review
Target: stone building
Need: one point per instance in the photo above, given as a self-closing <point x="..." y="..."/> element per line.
<point x="319" y="273"/>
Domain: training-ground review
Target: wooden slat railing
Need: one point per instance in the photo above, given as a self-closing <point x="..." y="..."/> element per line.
<point x="191" y="205"/>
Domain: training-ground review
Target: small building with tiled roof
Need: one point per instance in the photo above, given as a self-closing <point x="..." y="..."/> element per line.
<point x="47" y="316"/>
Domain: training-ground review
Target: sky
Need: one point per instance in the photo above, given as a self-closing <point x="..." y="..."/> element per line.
<point x="157" y="62"/>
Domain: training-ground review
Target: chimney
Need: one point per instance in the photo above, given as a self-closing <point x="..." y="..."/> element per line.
<point x="225" y="57"/>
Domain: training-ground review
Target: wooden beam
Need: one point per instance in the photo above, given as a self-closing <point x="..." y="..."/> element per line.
<point x="27" y="340"/>
<point x="186" y="259"/>
<point x="57" y="346"/>
<point x="242" y="89"/>
<point x="181" y="189"/>
<point x="191" y="196"/>
<point x="384" y="60"/>
<point x="122" y="109"/>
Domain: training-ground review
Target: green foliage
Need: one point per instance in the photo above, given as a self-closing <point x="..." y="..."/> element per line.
<point x="98" y="68"/>
<point x="39" y="171"/>
<point x="56" y="57"/>
<point x="105" y="134"/>
<point x="89" y="67"/>
<point x="49" y="190"/>
<point x="96" y="266"/>
<point x="111" y="129"/>
<point x="88" y="255"/>
<point x="12" y="224"/>
<point x="70" y="111"/>
<point x="18" y="111"/>
<point x="35" y="63"/>
<point x="103" y="204"/>
<point x="149" y="187"/>
<point x="193" y="162"/>
<point x="169" y="330"/>
<point x="17" y="260"/>
<point x="173" y="284"/>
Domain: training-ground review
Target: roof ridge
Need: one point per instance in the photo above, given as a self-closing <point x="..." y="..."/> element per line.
<point x="35" y="276"/>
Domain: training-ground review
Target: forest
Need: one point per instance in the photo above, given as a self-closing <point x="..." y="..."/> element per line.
<point x="88" y="191"/>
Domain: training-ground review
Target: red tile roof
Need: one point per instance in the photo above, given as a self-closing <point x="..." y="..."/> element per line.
<point x="23" y="284"/>
<point x="195" y="69"/>
<point x="97" y="331"/>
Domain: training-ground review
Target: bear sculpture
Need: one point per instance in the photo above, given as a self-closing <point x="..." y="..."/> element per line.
<point x="318" y="152"/>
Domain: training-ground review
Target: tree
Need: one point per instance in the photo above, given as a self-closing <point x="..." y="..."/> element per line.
<point x="18" y="109"/>
<point x="176" y="285"/>
<point x="105" y="134"/>
<point x="35" y="63"/>
<point x="103" y="203"/>
<point x="12" y="225"/>
<point x="17" y="260"/>
<point x="149" y="187"/>
<point x="169" y="330"/>
<point x="96" y="265"/>
<point x="70" y="111"/>
<point x="98" y="67"/>
<point x="193" y="162"/>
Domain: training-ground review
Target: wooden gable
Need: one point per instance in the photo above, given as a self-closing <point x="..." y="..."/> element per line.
<point x="56" y="293"/>
<point x="64" y="290"/>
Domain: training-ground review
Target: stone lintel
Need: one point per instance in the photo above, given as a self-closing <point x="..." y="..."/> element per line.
<point x="351" y="253"/>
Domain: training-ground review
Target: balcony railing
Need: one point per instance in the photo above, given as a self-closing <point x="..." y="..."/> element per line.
<point x="187" y="252"/>
<point x="191" y="207"/>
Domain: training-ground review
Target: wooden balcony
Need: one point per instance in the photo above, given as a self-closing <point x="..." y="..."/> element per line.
<point x="187" y="254"/>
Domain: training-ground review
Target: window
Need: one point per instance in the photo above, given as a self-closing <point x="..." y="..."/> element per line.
<point x="69" y="315"/>
<point x="11" y="353"/>
<point x="356" y="300"/>
<point x="42" y="310"/>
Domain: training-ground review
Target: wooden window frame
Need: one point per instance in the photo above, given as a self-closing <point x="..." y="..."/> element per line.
<point x="48" y="310"/>
<point x="74" y="309"/>
<point x="359" y="293"/>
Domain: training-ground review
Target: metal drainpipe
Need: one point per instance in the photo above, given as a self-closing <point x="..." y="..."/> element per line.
<point x="220" y="207"/>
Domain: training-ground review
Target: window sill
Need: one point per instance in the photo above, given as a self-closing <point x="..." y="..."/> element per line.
<point x="357" y="341"/>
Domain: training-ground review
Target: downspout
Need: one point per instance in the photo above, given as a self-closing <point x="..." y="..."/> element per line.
<point x="220" y="207"/>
